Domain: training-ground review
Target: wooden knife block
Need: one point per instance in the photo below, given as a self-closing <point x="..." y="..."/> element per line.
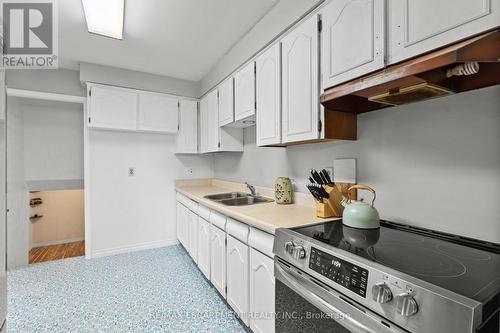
<point x="332" y="207"/>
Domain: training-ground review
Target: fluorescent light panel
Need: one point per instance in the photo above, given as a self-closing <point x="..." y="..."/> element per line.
<point x="105" y="17"/>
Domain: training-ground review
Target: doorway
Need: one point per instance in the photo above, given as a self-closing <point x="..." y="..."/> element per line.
<point x="45" y="182"/>
<point x="57" y="223"/>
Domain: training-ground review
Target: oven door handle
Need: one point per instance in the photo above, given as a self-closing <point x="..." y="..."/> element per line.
<point x="352" y="318"/>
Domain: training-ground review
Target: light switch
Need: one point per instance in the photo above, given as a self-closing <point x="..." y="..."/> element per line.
<point x="131" y="172"/>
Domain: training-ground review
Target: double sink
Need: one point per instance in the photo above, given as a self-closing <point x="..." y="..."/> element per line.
<point x="237" y="199"/>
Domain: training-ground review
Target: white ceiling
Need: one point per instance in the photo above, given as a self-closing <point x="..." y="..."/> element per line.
<point x="177" y="38"/>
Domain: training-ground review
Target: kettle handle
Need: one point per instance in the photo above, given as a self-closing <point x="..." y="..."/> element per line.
<point x="361" y="187"/>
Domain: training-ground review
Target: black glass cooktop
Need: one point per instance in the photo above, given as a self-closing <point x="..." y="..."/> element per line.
<point x="465" y="266"/>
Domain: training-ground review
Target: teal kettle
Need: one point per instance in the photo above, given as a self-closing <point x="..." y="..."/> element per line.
<point x="359" y="214"/>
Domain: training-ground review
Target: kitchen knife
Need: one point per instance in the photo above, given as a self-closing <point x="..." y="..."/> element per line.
<point x="324" y="181"/>
<point x="327" y="177"/>
<point x="323" y="192"/>
<point x="314" y="192"/>
<point x="316" y="176"/>
<point x="311" y="180"/>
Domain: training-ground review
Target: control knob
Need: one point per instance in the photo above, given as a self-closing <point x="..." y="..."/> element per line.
<point x="381" y="293"/>
<point x="299" y="252"/>
<point x="406" y="305"/>
<point x="289" y="246"/>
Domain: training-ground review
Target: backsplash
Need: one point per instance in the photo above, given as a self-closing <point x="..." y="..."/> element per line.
<point x="434" y="164"/>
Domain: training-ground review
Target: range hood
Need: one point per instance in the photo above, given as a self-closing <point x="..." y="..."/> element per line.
<point x="471" y="64"/>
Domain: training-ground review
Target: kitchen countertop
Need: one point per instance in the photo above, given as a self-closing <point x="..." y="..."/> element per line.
<point x="264" y="216"/>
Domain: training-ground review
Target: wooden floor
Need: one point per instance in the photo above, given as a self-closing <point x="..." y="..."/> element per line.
<point x="56" y="252"/>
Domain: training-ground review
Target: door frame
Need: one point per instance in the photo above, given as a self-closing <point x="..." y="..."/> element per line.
<point x="56" y="97"/>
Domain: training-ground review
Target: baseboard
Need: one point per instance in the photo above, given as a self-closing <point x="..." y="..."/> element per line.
<point x="57" y="242"/>
<point x="133" y="248"/>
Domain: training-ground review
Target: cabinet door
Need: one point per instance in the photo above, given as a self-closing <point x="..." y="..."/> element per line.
<point x="187" y="138"/>
<point x="352" y="39"/>
<point x="300" y="93"/>
<point x="244" y="92"/>
<point x="113" y="108"/>
<point x="204" y="247"/>
<point x="261" y="292"/>
<point x="226" y="102"/>
<point x="212" y="122"/>
<point x="158" y="113"/>
<point x="237" y="278"/>
<point x="182" y="225"/>
<point x="193" y="235"/>
<point x="268" y="83"/>
<point x="218" y="259"/>
<point x="419" y="26"/>
<point x="203" y="124"/>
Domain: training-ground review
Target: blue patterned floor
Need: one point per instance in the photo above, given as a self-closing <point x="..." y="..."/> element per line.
<point x="150" y="291"/>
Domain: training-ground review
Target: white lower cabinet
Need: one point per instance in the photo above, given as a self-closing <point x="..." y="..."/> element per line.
<point x="235" y="258"/>
<point x="182" y="225"/>
<point x="204" y="247"/>
<point x="193" y="235"/>
<point x="218" y="259"/>
<point x="261" y="292"/>
<point x="237" y="277"/>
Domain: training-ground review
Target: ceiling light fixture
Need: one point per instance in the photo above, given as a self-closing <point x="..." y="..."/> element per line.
<point x="105" y="17"/>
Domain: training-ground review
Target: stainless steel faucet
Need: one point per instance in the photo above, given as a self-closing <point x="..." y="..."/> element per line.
<point x="252" y="189"/>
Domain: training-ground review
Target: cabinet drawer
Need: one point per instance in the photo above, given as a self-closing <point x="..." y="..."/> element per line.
<point x="218" y="220"/>
<point x="181" y="198"/>
<point x="261" y="241"/>
<point x="238" y="230"/>
<point x="192" y="205"/>
<point x="204" y="212"/>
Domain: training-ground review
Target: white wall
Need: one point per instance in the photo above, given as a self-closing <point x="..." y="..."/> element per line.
<point x="62" y="81"/>
<point x="17" y="193"/>
<point x="283" y="14"/>
<point x="129" y="213"/>
<point x="434" y="164"/>
<point x="3" y="200"/>
<point x="138" y="80"/>
<point x="63" y="218"/>
<point x="53" y="142"/>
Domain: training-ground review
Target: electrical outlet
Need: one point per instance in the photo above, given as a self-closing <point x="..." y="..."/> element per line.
<point x="189" y="171"/>
<point x="131" y="172"/>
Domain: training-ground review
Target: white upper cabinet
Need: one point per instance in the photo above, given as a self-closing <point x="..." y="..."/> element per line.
<point x="237" y="278"/>
<point x="352" y="39"/>
<point x="226" y="102"/>
<point x="158" y="113"/>
<point x="262" y="286"/>
<point x="112" y="108"/>
<point x="187" y="138"/>
<point x="212" y="122"/>
<point x="244" y="95"/>
<point x="212" y="137"/>
<point x="125" y="109"/>
<point x="268" y="93"/>
<point x="419" y="26"/>
<point x="203" y="124"/>
<point x="300" y="91"/>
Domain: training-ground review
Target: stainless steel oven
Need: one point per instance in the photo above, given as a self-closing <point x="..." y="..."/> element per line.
<point x="334" y="278"/>
<point x="305" y="304"/>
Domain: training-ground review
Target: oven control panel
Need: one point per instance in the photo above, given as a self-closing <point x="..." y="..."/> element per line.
<point x="340" y="271"/>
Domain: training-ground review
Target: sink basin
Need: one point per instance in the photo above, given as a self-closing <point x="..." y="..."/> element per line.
<point x="222" y="196"/>
<point x="237" y="199"/>
<point x="248" y="200"/>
